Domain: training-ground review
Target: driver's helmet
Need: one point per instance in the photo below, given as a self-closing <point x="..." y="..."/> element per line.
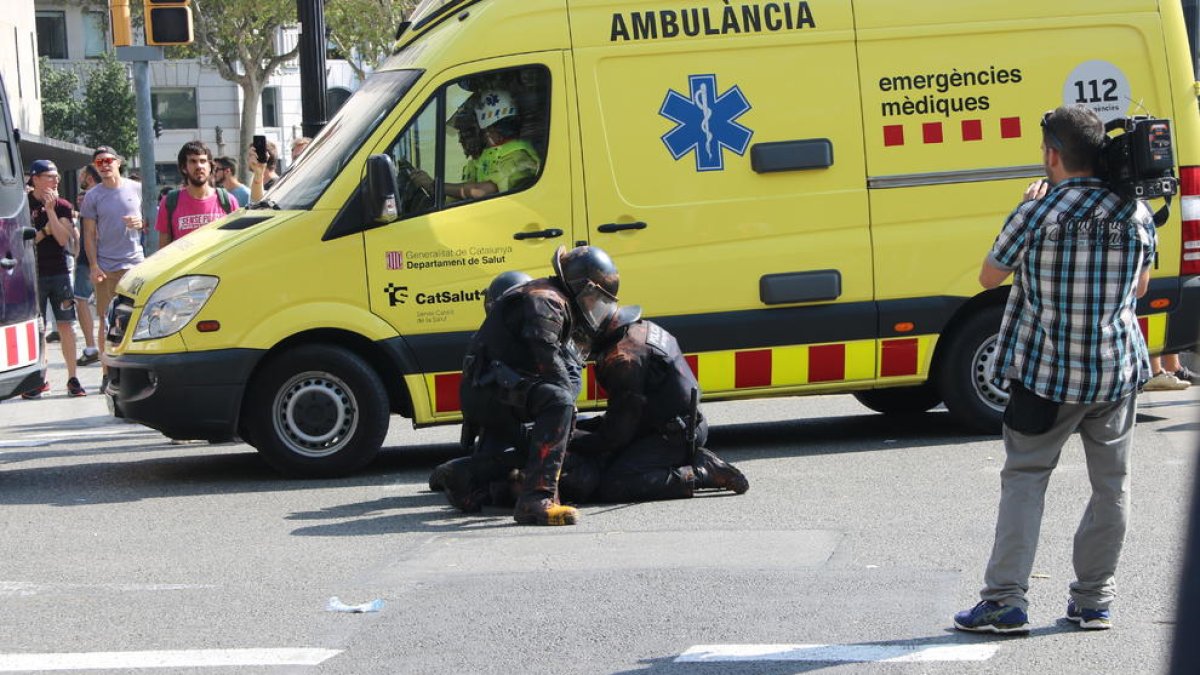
<point x="592" y="281"/>
<point x="469" y="134"/>
<point x="494" y="105"/>
<point x="504" y="282"/>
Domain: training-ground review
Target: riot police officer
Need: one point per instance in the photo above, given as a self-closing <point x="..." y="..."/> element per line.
<point x="524" y="364"/>
<point x="651" y="437"/>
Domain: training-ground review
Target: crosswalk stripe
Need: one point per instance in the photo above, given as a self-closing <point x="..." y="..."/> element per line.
<point x="189" y="658"/>
<point x="898" y="653"/>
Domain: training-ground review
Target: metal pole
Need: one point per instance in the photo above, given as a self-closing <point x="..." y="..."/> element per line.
<point x="145" y="123"/>
<point x="312" y="65"/>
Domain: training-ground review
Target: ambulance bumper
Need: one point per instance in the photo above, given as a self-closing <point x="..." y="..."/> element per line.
<point x="1183" y="324"/>
<point x="186" y="396"/>
<point x="20" y="380"/>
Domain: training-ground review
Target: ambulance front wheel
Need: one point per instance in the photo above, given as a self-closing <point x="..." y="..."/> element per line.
<point x="900" y="400"/>
<point x="317" y="411"/>
<point x="975" y="400"/>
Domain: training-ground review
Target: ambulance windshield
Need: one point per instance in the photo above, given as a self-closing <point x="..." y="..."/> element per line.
<point x="331" y="150"/>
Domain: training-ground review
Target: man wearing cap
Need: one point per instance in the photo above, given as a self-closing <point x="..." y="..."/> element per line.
<point x="51" y="216"/>
<point x="112" y="228"/>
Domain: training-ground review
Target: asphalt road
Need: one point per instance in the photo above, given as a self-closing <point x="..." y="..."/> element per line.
<point x="860" y="537"/>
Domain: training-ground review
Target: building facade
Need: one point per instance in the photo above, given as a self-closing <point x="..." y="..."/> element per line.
<point x="189" y="99"/>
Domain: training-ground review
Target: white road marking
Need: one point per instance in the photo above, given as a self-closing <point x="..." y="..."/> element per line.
<point x="28" y="589"/>
<point x="837" y="653"/>
<point x="190" y="658"/>
<point x="41" y="440"/>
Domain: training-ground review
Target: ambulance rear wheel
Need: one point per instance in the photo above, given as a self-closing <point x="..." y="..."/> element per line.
<point x="317" y="411"/>
<point x="900" y="400"/>
<point x="975" y="400"/>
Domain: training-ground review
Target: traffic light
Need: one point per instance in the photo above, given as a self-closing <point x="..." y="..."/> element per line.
<point x="157" y="126"/>
<point x="168" y="22"/>
<point x="122" y="36"/>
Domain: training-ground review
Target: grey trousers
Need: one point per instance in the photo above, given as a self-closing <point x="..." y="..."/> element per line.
<point x="1107" y="431"/>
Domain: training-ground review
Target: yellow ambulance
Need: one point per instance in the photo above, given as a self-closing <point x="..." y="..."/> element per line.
<point x="802" y="192"/>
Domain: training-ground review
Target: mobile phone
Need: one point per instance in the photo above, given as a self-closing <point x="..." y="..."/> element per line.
<point x="260" y="148"/>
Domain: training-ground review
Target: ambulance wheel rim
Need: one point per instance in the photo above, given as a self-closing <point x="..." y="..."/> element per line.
<point x="991" y="391"/>
<point x="315" y="414"/>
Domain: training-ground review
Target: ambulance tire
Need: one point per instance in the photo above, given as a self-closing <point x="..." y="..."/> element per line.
<point x="317" y="411"/>
<point x="975" y="401"/>
<point x="900" y="400"/>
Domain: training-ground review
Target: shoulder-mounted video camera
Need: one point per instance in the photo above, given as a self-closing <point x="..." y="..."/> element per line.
<point x="1139" y="163"/>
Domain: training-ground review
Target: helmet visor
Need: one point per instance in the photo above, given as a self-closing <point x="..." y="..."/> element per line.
<point x="595" y="305"/>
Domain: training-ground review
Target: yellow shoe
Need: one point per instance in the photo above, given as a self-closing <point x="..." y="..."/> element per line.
<point x="544" y="511"/>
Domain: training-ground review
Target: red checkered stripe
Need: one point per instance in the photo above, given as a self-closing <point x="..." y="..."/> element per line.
<point x="19" y="344"/>
<point x="749" y="369"/>
<point x="932" y="133"/>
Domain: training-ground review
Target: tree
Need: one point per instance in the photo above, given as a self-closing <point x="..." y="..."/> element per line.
<point x="62" y="109"/>
<point x="109" y="111"/>
<point x="239" y="40"/>
<point x="365" y="30"/>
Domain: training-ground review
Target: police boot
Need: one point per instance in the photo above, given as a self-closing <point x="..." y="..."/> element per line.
<point x="460" y="488"/>
<point x="535" y="508"/>
<point x="437" y="478"/>
<point x="504" y="492"/>
<point x="713" y="472"/>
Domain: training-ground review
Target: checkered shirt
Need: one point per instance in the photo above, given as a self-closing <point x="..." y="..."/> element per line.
<point x="1070" y="330"/>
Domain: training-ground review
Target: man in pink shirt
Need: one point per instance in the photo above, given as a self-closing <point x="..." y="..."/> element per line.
<point x="183" y="210"/>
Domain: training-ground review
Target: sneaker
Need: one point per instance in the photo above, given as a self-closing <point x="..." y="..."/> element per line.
<point x="52" y="336"/>
<point x="36" y="393"/>
<point x="90" y="355"/>
<point x="1165" y="381"/>
<point x="992" y="617"/>
<point x="74" y="388"/>
<point x="1187" y="375"/>
<point x="1088" y="619"/>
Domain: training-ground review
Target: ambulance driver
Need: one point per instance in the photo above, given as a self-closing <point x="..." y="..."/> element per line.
<point x="507" y="163"/>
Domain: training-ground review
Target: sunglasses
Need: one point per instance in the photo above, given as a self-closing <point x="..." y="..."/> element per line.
<point x="104" y="161"/>
<point x="1054" y="140"/>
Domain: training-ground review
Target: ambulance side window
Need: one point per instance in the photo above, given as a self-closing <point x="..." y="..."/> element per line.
<point x="490" y="131"/>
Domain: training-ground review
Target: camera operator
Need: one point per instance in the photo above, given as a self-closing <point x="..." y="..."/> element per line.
<point x="1070" y="346"/>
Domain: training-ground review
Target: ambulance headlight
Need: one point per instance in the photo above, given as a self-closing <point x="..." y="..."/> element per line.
<point x="171" y="307"/>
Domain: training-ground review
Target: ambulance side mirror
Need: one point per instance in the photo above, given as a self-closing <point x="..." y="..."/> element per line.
<point x="380" y="189"/>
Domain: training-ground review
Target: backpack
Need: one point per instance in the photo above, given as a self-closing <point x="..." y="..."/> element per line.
<point x="173" y="201"/>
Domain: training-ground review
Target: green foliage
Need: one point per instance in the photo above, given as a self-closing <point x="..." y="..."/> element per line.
<point x="365" y="30"/>
<point x="109" y="111"/>
<point x="239" y="37"/>
<point x="62" y="109"/>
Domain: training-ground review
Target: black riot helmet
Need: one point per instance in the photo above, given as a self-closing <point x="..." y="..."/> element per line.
<point x="503" y="282"/>
<point x="592" y="281"/>
<point x="614" y="328"/>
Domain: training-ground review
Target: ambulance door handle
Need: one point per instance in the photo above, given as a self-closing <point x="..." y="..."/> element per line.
<point x="540" y="234"/>
<point x="617" y="227"/>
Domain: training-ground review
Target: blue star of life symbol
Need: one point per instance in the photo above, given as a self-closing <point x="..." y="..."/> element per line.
<point x="706" y="122"/>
